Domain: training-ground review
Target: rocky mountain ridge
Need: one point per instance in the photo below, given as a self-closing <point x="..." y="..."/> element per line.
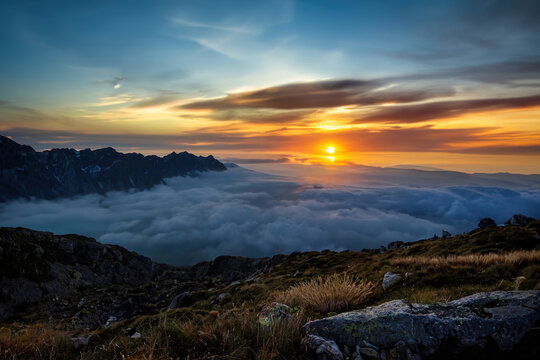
<point x="40" y="266"/>
<point x="57" y="173"/>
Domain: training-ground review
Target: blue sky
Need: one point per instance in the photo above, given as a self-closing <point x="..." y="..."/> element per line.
<point x="71" y="69"/>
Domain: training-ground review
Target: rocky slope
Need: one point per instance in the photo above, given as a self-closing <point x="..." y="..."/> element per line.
<point x="78" y="287"/>
<point x="40" y="267"/>
<point x="67" y="172"/>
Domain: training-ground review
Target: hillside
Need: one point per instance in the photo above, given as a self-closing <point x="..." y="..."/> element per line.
<point x="210" y="310"/>
<point x="59" y="173"/>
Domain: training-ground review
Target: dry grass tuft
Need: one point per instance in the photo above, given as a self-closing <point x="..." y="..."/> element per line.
<point x="334" y="293"/>
<point x="522" y="257"/>
<point x="235" y="335"/>
<point x="34" y="343"/>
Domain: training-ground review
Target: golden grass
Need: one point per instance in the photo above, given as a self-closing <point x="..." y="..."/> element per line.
<point x="335" y="293"/>
<point x="522" y="257"/>
<point x="236" y="335"/>
<point x="36" y="343"/>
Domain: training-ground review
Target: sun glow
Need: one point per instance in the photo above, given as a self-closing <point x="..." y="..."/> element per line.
<point x="330" y="150"/>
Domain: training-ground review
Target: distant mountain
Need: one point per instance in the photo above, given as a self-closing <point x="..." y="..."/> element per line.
<point x="57" y="173"/>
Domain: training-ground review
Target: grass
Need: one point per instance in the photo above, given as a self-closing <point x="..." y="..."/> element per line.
<point x="234" y="335"/>
<point x="332" y="294"/>
<point x="502" y="258"/>
<point x="520" y="257"/>
<point x="36" y="343"/>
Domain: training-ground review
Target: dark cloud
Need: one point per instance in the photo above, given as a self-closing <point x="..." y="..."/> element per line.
<point x="509" y="72"/>
<point x="504" y="149"/>
<point x="240" y="212"/>
<point x="445" y="109"/>
<point x="320" y="94"/>
<point x="262" y="116"/>
<point x="257" y="161"/>
<point x="416" y="139"/>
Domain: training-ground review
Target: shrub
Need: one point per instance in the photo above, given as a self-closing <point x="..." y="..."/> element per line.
<point x="335" y="293"/>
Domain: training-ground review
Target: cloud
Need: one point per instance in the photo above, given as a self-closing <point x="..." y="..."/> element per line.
<point x="446" y="109"/>
<point x="241" y="212"/>
<point x="321" y="94"/>
<point x="195" y="24"/>
<point x="216" y="140"/>
<point x="257" y="161"/>
<point x="509" y="72"/>
<point x="163" y="97"/>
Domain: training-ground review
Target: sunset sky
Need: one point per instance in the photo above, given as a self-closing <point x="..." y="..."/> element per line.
<point x="444" y="84"/>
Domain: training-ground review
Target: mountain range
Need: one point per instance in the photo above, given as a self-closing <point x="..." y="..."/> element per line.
<point x="57" y="173"/>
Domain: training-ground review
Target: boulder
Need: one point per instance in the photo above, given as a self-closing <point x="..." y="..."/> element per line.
<point x="273" y="313"/>
<point x="519" y="220"/>
<point x="390" y="279"/>
<point x="323" y="348"/>
<point x="446" y="234"/>
<point x="486" y="223"/>
<point x="181" y="300"/>
<point x="111" y="320"/>
<point x="490" y="324"/>
<point x="220" y="298"/>
<point x="79" y="342"/>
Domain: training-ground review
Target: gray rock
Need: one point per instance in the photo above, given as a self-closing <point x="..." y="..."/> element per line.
<point x="181" y="300"/>
<point x="368" y="353"/>
<point x="486" y="223"/>
<point x="79" y="342"/>
<point x="136" y="335"/>
<point x="493" y="321"/>
<point x="236" y="282"/>
<point x="273" y="313"/>
<point x="323" y="348"/>
<point x="129" y="331"/>
<point x="111" y="320"/>
<point x="220" y="298"/>
<point x="519" y="220"/>
<point x="390" y="279"/>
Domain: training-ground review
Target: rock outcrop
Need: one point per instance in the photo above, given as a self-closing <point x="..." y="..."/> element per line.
<point x="489" y="324"/>
<point x="232" y="268"/>
<point x="390" y="279"/>
<point x="486" y="223"/>
<point x="274" y="313"/>
<point x="35" y="263"/>
<point x="67" y="172"/>
<point x="519" y="220"/>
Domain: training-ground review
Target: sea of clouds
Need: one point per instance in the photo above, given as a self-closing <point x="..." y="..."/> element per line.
<point x="242" y="212"/>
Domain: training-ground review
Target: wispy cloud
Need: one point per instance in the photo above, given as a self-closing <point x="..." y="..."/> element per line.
<point x="195" y="24"/>
<point x="444" y="109"/>
<point x="321" y="94"/>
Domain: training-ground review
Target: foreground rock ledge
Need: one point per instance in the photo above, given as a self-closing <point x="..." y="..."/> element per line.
<point x="483" y="325"/>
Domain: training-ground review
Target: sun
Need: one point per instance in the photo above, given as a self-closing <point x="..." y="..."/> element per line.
<point x="330" y="150"/>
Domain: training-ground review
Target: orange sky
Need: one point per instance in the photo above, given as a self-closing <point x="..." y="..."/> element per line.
<point x="450" y="84"/>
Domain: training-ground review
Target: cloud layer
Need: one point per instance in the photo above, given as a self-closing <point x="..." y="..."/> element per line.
<point x="240" y="212"/>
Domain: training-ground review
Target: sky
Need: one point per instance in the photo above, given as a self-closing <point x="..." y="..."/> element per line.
<point x="443" y="84"/>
